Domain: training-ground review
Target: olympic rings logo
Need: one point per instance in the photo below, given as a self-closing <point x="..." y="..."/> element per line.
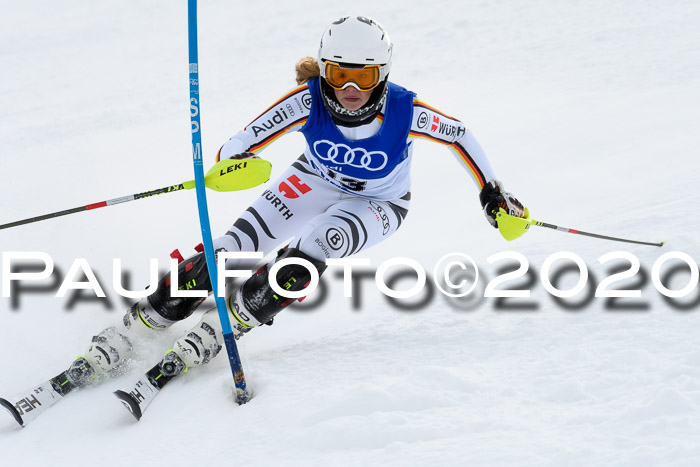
<point x="368" y="160"/>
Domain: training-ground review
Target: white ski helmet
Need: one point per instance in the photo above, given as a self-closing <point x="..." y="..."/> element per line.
<point x="355" y="42"/>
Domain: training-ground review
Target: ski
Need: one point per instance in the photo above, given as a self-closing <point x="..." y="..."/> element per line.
<point x="28" y="405"/>
<point x="138" y="396"/>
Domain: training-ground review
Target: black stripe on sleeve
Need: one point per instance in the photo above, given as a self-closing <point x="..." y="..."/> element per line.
<point x="275" y="134"/>
<point x="424" y="106"/>
<point x="300" y="90"/>
<point x="463" y="150"/>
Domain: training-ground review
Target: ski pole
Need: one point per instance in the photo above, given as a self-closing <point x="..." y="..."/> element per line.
<point x="226" y="175"/>
<point x="512" y="227"/>
<point x="240" y="387"/>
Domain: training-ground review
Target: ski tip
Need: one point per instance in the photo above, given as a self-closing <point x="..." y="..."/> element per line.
<point x="129" y="402"/>
<point x="13" y="410"/>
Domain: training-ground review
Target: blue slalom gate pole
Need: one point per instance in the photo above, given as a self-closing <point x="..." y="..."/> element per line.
<point x="242" y="395"/>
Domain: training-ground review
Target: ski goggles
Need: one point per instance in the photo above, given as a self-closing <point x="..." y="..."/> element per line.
<point x="364" y="78"/>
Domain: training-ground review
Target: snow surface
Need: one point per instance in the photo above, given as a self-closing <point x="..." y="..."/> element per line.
<point x="589" y="113"/>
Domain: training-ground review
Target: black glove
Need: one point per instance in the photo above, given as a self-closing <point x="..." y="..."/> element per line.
<point x="244" y="155"/>
<point x="493" y="197"/>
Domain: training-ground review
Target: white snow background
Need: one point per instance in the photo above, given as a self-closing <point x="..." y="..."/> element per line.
<point x="589" y="112"/>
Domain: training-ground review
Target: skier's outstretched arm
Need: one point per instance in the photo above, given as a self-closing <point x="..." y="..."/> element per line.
<point x="434" y="125"/>
<point x="286" y="115"/>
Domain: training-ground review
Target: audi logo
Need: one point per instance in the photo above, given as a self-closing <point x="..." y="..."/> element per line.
<point x="342" y="154"/>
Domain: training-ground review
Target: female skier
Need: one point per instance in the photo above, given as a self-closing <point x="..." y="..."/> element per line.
<point x="348" y="191"/>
